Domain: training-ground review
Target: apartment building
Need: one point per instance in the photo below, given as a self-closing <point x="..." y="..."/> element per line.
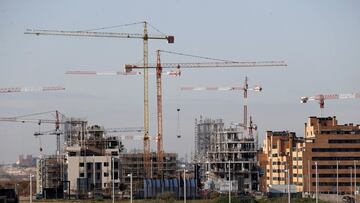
<point x="297" y="175"/>
<point x="278" y="157"/>
<point x="335" y="151"/>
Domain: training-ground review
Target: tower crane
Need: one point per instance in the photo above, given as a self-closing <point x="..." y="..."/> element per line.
<point x="57" y="121"/>
<point x="322" y="97"/>
<point x="145" y="37"/>
<point x="159" y="66"/>
<point x="30" y="89"/>
<point x="245" y="90"/>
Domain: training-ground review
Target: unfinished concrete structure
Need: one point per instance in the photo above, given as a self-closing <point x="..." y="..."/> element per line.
<point x="49" y="174"/>
<point x="204" y="129"/>
<point x="93" y="164"/>
<point x="132" y="163"/>
<point x="232" y="149"/>
<point x="90" y="162"/>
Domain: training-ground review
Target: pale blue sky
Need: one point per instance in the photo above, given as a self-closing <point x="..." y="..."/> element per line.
<point x="318" y="39"/>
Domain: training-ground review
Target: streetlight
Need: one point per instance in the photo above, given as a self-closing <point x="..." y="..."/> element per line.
<point x="184" y="183"/>
<point x="317" y="182"/>
<point x="31" y="175"/>
<point x="337" y="181"/>
<point x="288" y="181"/>
<point x="229" y="182"/>
<point x="350" y="180"/>
<point x="131" y="191"/>
<point x="309" y="177"/>
<point x="151" y="174"/>
<point x="355" y="180"/>
<point x="113" y="180"/>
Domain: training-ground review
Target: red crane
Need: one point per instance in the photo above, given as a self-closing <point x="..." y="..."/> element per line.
<point x="143" y="36"/>
<point x="244" y="88"/>
<point x="322" y="97"/>
<point x="159" y="66"/>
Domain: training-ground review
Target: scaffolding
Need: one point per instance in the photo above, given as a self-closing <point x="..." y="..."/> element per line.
<point x="132" y="163"/>
<point x="204" y="130"/>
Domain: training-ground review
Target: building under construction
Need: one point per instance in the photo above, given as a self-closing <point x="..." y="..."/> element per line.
<point x="89" y="164"/>
<point x="92" y="162"/>
<point x="227" y="148"/>
<point x="50" y="176"/>
<point x="132" y="163"/>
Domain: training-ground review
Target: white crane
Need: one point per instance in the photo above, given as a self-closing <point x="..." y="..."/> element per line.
<point x="30" y="89"/>
<point x="244" y="88"/>
<point x="322" y="97"/>
<point x="145" y="37"/>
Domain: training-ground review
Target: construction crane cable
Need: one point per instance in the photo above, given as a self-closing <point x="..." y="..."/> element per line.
<point x="195" y="56"/>
<point x="110" y="27"/>
<point x="153" y="27"/>
<point x="33" y="114"/>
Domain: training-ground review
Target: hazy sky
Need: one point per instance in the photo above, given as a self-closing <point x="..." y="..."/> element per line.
<point x="318" y="39"/>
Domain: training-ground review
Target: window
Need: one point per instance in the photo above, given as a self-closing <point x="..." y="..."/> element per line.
<point x="72" y="153"/>
<point x="106" y="164"/>
<point x="98" y="166"/>
<point x="347" y="141"/>
<point x="81" y="175"/>
<point x="335" y="158"/>
<point x="297" y="167"/>
<point x="334" y="166"/>
<point x="81" y="164"/>
<point x="335" y="149"/>
<point x="106" y="174"/>
<point x="116" y="175"/>
<point x="88" y="166"/>
<point x="98" y="176"/>
<point x="333" y="175"/>
<point x="276" y="178"/>
<point x="116" y="165"/>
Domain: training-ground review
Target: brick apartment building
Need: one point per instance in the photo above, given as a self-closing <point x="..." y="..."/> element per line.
<point x="331" y="146"/>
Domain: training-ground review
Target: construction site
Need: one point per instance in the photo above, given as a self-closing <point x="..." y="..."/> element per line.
<point x="100" y="137"/>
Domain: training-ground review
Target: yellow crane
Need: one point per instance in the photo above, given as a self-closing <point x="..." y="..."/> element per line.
<point x="145" y="37"/>
<point x="159" y="66"/>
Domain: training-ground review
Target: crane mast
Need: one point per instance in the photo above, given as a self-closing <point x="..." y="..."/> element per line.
<point x="159" y="66"/>
<point x="146" y="156"/>
<point x="145" y="37"/>
<point x="245" y="90"/>
<point x="160" y="148"/>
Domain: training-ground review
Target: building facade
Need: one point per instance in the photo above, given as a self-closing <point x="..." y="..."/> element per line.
<point x="332" y="153"/>
<point x="279" y="157"/>
<point x="204" y="130"/>
<point x="233" y="150"/>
